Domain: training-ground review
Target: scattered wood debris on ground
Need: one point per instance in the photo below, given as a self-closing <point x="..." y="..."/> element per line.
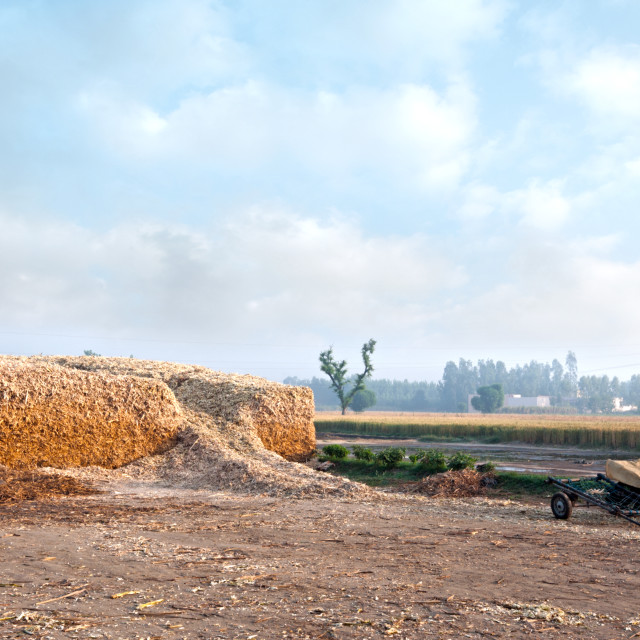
<point x="463" y="483"/>
<point x="187" y="564"/>
<point x="16" y="486"/>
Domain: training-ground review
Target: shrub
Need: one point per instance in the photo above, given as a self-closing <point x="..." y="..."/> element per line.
<point x="433" y="461"/>
<point x="363" y="400"/>
<point x="362" y="453"/>
<point x="390" y="457"/>
<point x="486" y="467"/>
<point x="417" y="456"/>
<point x="335" y="451"/>
<point x="459" y="461"/>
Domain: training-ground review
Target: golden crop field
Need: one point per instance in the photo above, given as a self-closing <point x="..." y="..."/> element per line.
<point x="618" y="432"/>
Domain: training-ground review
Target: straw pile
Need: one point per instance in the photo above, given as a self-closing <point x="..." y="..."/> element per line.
<point x="236" y="432"/>
<point x="57" y="417"/>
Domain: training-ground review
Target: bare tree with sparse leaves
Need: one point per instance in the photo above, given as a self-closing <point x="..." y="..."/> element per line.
<point x="337" y="372"/>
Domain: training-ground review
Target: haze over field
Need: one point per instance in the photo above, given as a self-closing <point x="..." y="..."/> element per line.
<point x="242" y="184"/>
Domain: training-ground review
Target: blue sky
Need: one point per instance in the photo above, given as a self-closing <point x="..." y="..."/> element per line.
<point x="242" y="184"/>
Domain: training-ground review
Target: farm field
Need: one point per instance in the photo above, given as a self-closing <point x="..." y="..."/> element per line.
<point x="611" y="432"/>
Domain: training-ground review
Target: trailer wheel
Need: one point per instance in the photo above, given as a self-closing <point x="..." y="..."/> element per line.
<point x="561" y="505"/>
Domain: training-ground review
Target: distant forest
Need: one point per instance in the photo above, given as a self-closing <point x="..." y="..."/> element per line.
<point x="568" y="392"/>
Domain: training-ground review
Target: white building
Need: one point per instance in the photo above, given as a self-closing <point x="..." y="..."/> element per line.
<point x="618" y="406"/>
<point x="515" y="400"/>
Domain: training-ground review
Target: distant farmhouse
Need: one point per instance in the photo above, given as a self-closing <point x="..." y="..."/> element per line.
<point x="515" y="400"/>
<point x="620" y="407"/>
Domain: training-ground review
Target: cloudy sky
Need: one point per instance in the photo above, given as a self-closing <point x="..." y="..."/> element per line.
<point x="241" y="184"/>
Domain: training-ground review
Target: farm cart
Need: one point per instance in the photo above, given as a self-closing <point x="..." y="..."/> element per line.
<point x="616" y="498"/>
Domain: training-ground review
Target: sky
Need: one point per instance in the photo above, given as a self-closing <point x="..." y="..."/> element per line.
<point x="244" y="184"/>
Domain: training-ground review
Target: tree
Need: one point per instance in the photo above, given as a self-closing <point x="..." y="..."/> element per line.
<point x="458" y="381"/>
<point x="571" y="375"/>
<point x="489" y="398"/>
<point x="337" y="372"/>
<point x="362" y="400"/>
<point x="556" y="381"/>
<point x="632" y="390"/>
<point x="597" y="394"/>
<point x="448" y="386"/>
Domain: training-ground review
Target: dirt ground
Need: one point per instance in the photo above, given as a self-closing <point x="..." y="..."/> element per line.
<point x="139" y="561"/>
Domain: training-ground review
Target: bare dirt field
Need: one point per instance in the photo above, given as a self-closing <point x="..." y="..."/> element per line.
<point x="140" y="561"/>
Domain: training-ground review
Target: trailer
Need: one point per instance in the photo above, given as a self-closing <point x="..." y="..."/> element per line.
<point x="618" y="499"/>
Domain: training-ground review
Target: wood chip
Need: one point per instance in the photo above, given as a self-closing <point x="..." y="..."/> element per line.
<point x="67" y="595"/>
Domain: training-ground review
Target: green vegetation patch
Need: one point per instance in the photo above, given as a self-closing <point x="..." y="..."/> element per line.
<point x="518" y="485"/>
<point x="335" y="451"/>
<point x="510" y="484"/>
<point x="374" y="474"/>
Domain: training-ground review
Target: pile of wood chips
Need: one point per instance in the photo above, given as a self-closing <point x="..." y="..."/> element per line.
<point x="16" y="486"/>
<point x="280" y="416"/>
<point x="54" y="416"/>
<point x="451" y="484"/>
<point x="234" y="432"/>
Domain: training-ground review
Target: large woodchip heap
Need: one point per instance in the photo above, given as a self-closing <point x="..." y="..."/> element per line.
<point x="180" y="425"/>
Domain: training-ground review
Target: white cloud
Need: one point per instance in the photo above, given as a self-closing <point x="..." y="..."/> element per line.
<point x="415" y="31"/>
<point x="149" y="50"/>
<point x="275" y="277"/>
<point x="608" y="81"/>
<point x="262" y="272"/>
<point x="127" y="124"/>
<point x="551" y="293"/>
<point x="409" y="133"/>
<point x="181" y="109"/>
<point x="480" y="201"/>
<point x="540" y="205"/>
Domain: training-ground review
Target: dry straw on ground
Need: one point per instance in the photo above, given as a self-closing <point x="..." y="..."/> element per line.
<point x="235" y="432"/>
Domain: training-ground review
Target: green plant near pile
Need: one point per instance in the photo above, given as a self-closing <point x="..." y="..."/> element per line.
<point x="417" y="456"/>
<point x="362" y="453"/>
<point x="433" y="461"/>
<point x="335" y="451"/>
<point x="459" y="461"/>
<point x="390" y="457"/>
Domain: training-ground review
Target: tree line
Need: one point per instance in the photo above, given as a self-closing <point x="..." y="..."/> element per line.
<point x="558" y="380"/>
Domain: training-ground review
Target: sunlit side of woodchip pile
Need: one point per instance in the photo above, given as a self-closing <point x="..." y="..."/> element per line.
<point x="52" y="416"/>
<point x="234" y="432"/>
